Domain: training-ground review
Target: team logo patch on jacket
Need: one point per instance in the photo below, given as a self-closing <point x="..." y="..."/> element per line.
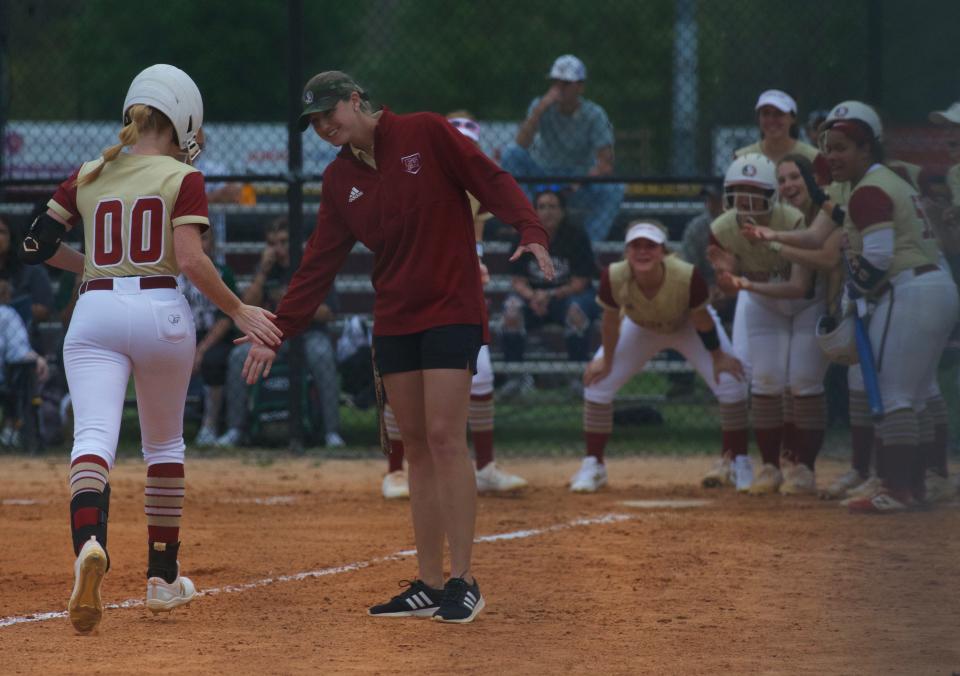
<point x="411" y="163"/>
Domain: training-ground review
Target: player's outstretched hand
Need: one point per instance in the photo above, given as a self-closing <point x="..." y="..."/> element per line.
<point x="725" y="363"/>
<point x="757" y="233"/>
<point x="257" y="325"/>
<point x="258" y="362"/>
<point x="597" y="370"/>
<point x="540" y="253"/>
<point x="731" y="284"/>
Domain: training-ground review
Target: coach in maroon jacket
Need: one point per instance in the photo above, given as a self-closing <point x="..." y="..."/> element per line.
<point x="399" y="186"/>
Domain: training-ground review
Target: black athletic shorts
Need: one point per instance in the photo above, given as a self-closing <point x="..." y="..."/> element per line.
<point x="454" y="346"/>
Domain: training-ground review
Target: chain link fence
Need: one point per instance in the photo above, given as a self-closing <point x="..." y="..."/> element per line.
<point x="676" y="81"/>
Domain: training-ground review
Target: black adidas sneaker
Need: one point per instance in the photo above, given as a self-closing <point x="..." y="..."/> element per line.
<point x="418" y="600"/>
<point x="461" y="602"/>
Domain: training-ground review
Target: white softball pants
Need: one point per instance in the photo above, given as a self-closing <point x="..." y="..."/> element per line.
<point x="780" y="338"/>
<point x="482" y="383"/>
<point x="922" y="311"/>
<point x="637" y="345"/>
<point x="149" y="333"/>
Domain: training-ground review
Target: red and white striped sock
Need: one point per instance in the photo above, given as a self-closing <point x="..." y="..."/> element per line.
<point x="89" y="500"/>
<point x="163" y="502"/>
<point x="768" y="426"/>
<point x="395" y="459"/>
<point x="597" y="427"/>
<point x="481" y="428"/>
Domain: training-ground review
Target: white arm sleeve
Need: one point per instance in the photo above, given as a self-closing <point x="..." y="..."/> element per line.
<point x="878" y="248"/>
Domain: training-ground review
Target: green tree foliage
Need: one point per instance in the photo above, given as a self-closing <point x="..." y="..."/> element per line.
<point x="72" y="60"/>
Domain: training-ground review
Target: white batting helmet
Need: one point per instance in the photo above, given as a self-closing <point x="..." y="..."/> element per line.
<point x="838" y="340"/>
<point x="173" y="93"/>
<point x="757" y="171"/>
<point x="855" y="110"/>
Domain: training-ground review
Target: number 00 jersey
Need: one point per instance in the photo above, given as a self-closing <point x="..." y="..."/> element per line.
<point x="129" y="213"/>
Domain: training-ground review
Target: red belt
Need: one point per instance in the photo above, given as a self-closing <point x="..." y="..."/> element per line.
<point x="106" y="283"/>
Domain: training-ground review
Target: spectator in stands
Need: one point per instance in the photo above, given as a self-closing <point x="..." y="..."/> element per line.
<point x="693" y="249"/>
<point x="568" y="299"/>
<point x="214" y="342"/>
<point x="776" y="113"/>
<point x="565" y="134"/>
<point x="696" y="233"/>
<point x="266" y="289"/>
<point x="30" y="289"/>
<point x="14" y="349"/>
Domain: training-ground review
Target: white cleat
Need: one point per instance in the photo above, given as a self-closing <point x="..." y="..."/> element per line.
<point x="938" y="488"/>
<point x="842" y="485"/>
<point x="742" y="473"/>
<point x="799" y="480"/>
<point x="767" y="481"/>
<point x="492" y="479"/>
<point x="865" y="489"/>
<point x="163" y="596"/>
<point x="395" y="485"/>
<point x="591" y="476"/>
<point x="720" y="475"/>
<point x="86" y="607"/>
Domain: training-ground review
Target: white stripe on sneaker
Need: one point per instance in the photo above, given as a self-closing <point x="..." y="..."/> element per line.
<point x="426" y="599"/>
<point x="473" y="599"/>
<point x="412" y="603"/>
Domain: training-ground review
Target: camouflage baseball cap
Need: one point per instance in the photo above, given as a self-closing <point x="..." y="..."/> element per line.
<point x="323" y="91"/>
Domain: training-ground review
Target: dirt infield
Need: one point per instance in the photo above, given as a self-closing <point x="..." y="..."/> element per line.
<point x="575" y="584"/>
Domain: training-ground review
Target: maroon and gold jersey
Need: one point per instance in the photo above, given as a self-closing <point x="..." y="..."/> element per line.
<point x="884" y="200"/>
<point x="757" y="261"/>
<point x="129" y="213"/>
<point x="683" y="291"/>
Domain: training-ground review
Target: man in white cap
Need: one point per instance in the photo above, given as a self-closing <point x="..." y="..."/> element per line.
<point x="565" y="134"/>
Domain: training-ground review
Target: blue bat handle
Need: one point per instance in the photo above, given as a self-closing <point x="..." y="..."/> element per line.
<point x="868" y="368"/>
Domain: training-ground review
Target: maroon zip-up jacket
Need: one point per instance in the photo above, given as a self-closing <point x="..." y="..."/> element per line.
<point x="412" y="212"/>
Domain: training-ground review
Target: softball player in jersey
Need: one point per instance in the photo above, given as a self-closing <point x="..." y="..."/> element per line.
<point x="805" y="298"/>
<point x="651" y="302"/>
<point x="143" y="212"/>
<point x="491" y="478"/>
<point x="775" y="336"/>
<point x="893" y="262"/>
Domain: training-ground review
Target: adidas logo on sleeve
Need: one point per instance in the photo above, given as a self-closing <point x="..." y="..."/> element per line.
<point x="355" y="194"/>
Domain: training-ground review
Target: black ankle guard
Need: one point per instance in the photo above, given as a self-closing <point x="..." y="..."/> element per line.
<point x="162" y="562"/>
<point x="99" y="501"/>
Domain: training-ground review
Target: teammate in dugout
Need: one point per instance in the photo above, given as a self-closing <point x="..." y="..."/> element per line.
<point x="144" y="212"/>
<point x="894" y="265"/>
<point x="653" y="301"/>
<point x="491" y="478"/>
<point x="399" y="185"/>
<point x="776" y="113"/>
<point x="773" y="337"/>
